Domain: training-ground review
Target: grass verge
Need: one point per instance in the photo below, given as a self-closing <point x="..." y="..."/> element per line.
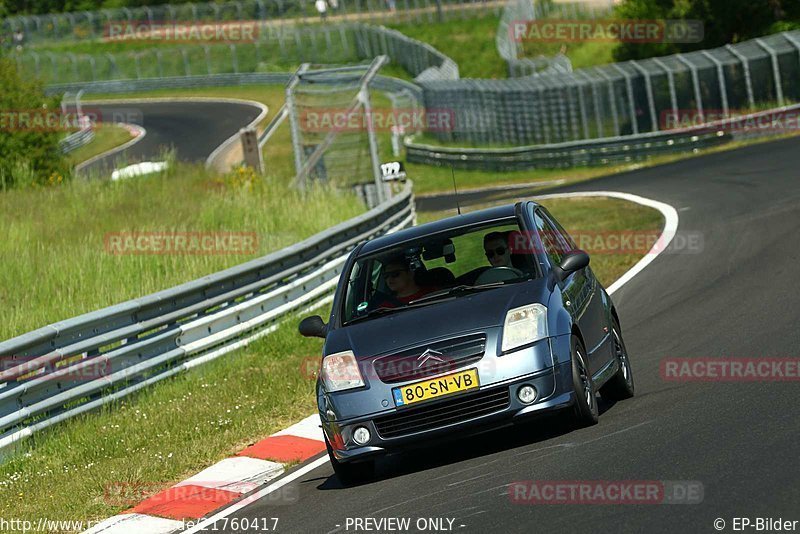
<point x="106" y="137"/>
<point x="162" y="435"/>
<point x="56" y="264"/>
<point x="176" y="428"/>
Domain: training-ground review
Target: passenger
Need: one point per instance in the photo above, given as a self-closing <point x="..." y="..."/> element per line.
<point x="495" y="245"/>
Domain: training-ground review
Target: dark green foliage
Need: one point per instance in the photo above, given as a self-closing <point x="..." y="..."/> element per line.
<point x="27" y="155"/>
<point x="726" y="21"/>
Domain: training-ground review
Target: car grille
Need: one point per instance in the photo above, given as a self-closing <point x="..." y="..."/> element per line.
<point x="430" y="416"/>
<point x="449" y="355"/>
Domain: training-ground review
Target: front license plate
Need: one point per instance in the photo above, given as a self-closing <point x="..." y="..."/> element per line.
<point x="436" y="387"/>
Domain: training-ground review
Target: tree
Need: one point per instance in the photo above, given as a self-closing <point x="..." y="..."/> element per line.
<point x="27" y="154"/>
<point x="725" y="21"/>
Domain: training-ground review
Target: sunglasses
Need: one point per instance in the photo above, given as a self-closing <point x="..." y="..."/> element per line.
<point x="393" y="274"/>
<point x="499" y="251"/>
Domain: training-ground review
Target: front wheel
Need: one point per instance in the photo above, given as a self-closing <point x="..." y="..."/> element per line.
<point x="351" y="473"/>
<point x="620" y="386"/>
<point x="585" y="409"/>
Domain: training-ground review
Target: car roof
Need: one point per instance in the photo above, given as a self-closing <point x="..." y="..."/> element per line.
<point x="450" y="223"/>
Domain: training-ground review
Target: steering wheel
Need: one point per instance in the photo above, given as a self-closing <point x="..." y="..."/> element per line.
<point x="498" y="274"/>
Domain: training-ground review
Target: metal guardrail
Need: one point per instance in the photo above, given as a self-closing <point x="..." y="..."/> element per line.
<point x="77" y="139"/>
<point x="73" y="366"/>
<point x="606" y="151"/>
<point x="273" y="125"/>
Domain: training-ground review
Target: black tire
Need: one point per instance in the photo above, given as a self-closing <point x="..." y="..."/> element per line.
<point x="351" y="473"/>
<point x="585" y="410"/>
<point x="620" y="386"/>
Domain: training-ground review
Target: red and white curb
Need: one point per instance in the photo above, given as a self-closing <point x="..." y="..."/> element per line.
<point x="224" y="482"/>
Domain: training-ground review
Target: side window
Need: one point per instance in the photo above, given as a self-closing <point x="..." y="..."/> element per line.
<point x="563" y="235"/>
<point x="554" y="242"/>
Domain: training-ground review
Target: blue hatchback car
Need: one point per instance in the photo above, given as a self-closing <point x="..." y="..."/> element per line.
<point x="463" y="324"/>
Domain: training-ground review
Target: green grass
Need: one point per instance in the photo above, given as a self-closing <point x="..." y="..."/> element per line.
<point x="582" y="215"/>
<point x="470" y="43"/>
<point x="55" y="264"/>
<point x="162" y="435"/>
<point x="107" y="136"/>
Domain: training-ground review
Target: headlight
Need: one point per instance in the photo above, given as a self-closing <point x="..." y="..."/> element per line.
<point x="523" y="326"/>
<point x="340" y="371"/>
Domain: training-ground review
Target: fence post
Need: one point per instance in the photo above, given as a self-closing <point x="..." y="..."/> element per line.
<point x="794" y="42"/>
<point x="673" y="96"/>
<point x="595" y="101"/>
<point x="234" y="59"/>
<point x="776" y="69"/>
<point x="747" y="80"/>
<point x="207" y="54"/>
<point x="698" y="97"/>
<point x="650" y="99"/>
<point x="295" y="127"/>
<point x="159" y="64"/>
<point x="631" y="103"/>
<point x="187" y="69"/>
<point x="612" y="100"/>
<point x="723" y="88"/>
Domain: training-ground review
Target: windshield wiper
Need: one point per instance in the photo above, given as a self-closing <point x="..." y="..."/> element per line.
<point x="452" y="291"/>
<point x="377" y="311"/>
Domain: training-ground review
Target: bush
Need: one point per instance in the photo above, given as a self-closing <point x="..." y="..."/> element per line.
<point x="27" y="156"/>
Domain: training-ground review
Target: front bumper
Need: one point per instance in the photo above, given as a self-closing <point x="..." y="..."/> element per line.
<point x="453" y="417"/>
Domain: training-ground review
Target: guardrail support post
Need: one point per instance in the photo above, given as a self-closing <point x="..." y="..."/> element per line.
<point x="251" y="150"/>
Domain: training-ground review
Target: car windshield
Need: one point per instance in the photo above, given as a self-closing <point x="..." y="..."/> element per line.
<point x="438" y="267"/>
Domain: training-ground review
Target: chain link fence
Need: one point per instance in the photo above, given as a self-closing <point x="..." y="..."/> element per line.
<point x="512" y="51"/>
<point x="82" y="25"/>
<point x="279" y="46"/>
<point x="620" y="99"/>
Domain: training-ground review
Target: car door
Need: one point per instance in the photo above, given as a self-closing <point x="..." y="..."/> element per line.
<point x="580" y="291"/>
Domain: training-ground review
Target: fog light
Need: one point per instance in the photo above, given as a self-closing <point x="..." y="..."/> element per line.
<point x="526" y="394"/>
<point x="361" y="436"/>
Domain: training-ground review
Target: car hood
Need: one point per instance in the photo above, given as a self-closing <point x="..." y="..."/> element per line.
<point x="437" y="320"/>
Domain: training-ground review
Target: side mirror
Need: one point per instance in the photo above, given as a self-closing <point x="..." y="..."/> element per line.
<point x="313" y="326"/>
<point x="572" y="262"/>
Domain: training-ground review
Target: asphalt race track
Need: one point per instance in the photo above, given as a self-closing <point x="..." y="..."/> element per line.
<point x="193" y="129"/>
<point x="738" y="297"/>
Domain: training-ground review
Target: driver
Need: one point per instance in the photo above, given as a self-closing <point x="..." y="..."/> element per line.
<point x="400" y="281"/>
<point x="495" y="245"/>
